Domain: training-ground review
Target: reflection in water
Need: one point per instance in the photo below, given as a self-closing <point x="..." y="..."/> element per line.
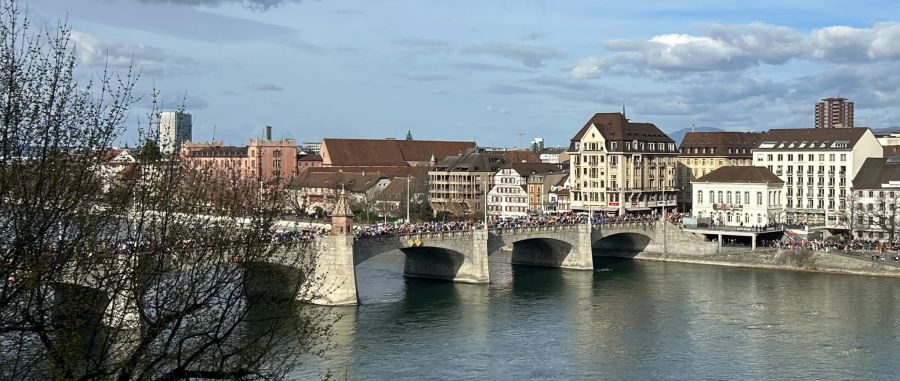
<point x="627" y="320"/>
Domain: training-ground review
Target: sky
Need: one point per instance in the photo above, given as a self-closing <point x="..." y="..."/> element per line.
<point x="498" y="72"/>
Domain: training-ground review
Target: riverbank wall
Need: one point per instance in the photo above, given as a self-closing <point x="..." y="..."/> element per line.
<point x="772" y="259"/>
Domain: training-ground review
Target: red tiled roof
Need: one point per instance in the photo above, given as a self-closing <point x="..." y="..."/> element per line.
<point x="521" y="157"/>
<point x="388" y="152"/>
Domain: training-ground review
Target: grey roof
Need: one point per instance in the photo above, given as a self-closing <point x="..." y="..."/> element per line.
<point x="814" y="138"/>
<point x="876" y="171"/>
<point x="740" y="174"/>
<point x="471" y="162"/>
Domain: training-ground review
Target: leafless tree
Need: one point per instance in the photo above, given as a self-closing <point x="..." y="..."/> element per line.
<point x="850" y="214"/>
<point x="883" y="212"/>
<point x="156" y="276"/>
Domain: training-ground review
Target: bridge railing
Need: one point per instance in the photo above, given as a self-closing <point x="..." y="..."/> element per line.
<point x="531" y="229"/>
<point x="393" y="237"/>
<point x="625" y="224"/>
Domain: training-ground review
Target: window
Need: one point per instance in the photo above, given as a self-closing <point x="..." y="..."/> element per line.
<point x="810" y="157"/>
<point x="613" y="145"/>
<point x="712" y="197"/>
<point x="831" y="157"/>
<point x="769" y="157"/>
<point x="780" y="157"/>
<point x="700" y="197"/>
<point x="728" y="197"/>
<point x="747" y="198"/>
<point x="790" y="157"/>
<point x="627" y="146"/>
<point x="720" y="196"/>
<point x="821" y="157"/>
<point x="843" y="157"/>
<point x="759" y="198"/>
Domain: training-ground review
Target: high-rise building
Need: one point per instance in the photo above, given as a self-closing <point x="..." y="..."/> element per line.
<point x="834" y="113"/>
<point x="174" y="129"/>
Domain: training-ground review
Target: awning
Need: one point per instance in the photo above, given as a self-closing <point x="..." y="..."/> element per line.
<point x="637" y="209"/>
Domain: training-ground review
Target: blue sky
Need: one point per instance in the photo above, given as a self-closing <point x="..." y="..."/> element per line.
<point x="489" y="70"/>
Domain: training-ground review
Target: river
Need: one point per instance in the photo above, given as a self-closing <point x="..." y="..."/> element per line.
<point x="626" y="320"/>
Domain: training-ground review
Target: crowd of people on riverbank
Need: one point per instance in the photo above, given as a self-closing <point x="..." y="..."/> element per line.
<point x="829" y="245"/>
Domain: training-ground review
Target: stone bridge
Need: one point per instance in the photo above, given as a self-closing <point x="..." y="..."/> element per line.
<point x="462" y="256"/>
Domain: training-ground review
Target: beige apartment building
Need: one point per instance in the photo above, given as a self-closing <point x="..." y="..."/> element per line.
<point x="622" y="167"/>
<point x="703" y="152"/>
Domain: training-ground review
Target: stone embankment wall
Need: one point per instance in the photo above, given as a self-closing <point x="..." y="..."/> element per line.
<point x="795" y="260"/>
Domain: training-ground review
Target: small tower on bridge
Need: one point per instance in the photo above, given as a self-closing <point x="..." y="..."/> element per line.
<point x="342" y="216"/>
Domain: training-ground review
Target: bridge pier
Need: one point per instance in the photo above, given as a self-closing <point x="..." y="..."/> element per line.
<point x="333" y="280"/>
<point x="475" y="268"/>
<point x="581" y="257"/>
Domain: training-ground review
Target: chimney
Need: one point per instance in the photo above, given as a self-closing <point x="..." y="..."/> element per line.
<point x="268" y="132"/>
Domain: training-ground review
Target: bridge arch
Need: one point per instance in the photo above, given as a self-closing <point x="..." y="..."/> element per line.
<point x="625" y="243"/>
<point x="432" y="262"/>
<point x="542" y="251"/>
<point x="446" y="256"/>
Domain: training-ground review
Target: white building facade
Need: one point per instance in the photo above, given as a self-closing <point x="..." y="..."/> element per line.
<point x="174" y="128"/>
<point x="508" y="196"/>
<point x="817" y="166"/>
<point x="738" y="197"/>
<point x="876" y="200"/>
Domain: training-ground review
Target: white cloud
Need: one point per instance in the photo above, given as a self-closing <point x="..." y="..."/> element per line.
<point x="498" y="110"/>
<point x="739" y="47"/>
<point x="93" y="52"/>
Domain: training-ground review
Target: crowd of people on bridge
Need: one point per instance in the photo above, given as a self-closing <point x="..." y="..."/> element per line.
<point x="419" y="228"/>
<point x="562" y="219"/>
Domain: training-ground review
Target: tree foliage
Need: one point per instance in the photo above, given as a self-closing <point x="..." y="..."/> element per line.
<point x="154" y="277"/>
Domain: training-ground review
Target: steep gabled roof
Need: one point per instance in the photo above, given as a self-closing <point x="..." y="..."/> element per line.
<point x="395" y="191"/>
<point x="355" y="182"/>
<point x="614" y="126"/>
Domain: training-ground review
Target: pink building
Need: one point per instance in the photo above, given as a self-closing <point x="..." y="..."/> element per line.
<point x="270" y="158"/>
